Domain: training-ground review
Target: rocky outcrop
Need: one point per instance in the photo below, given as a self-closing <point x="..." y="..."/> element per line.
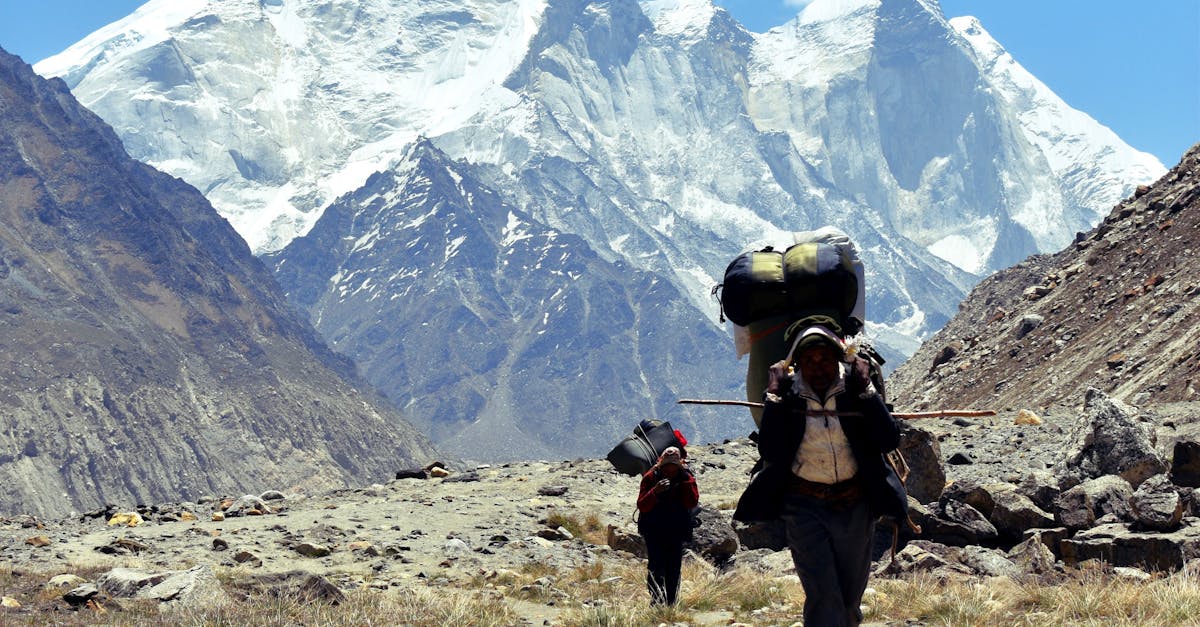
<point x="148" y="356"/>
<point x="1116" y="311"/>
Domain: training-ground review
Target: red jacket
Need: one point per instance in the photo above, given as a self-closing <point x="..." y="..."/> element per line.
<point x="682" y="494"/>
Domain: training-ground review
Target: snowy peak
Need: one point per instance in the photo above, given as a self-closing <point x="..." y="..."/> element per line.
<point x="1066" y="137"/>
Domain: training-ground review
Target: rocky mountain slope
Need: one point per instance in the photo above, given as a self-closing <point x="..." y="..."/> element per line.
<point x="1118" y="310"/>
<point x="655" y="139"/>
<point x="147" y="354"/>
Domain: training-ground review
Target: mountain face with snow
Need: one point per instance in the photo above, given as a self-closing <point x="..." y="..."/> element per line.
<point x="384" y="153"/>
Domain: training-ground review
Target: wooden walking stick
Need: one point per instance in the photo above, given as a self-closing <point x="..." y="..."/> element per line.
<point x="944" y="413"/>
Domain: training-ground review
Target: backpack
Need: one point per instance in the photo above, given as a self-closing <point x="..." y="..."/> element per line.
<point x="820" y="273"/>
<point x="638" y="452"/>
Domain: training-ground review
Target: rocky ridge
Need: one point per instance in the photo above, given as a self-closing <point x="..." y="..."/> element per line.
<point x="148" y="355"/>
<point x="1117" y="310"/>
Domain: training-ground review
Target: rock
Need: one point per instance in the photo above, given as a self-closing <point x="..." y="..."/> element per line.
<point x="126" y="582"/>
<point x="248" y="505"/>
<point x="1082" y="505"/>
<point x="946" y="354"/>
<point x="195" y="587"/>
<point x="1109" y="440"/>
<point x="1051" y="538"/>
<point x="81" y="594"/>
<point x="960" y="459"/>
<point x="218" y="516"/>
<point x="1185" y="464"/>
<point x="954" y="524"/>
<point x="1033" y="557"/>
<point x="9" y="602"/>
<point x="761" y="535"/>
<point x="309" y="549"/>
<point x="765" y="562"/>
<point x="987" y="562"/>
<point x="1132" y="574"/>
<point x="65" y="580"/>
<point x="1027" y="418"/>
<point x="921" y="452"/>
<point x="973" y="494"/>
<point x="38" y="541"/>
<point x="463" y="477"/>
<point x="1118" y="545"/>
<point x="1156" y="505"/>
<point x="713" y="537"/>
<point x="1028" y="323"/>
<point x="247" y="558"/>
<point x="272" y="495"/>
<point x="220" y="544"/>
<point x="1041" y="487"/>
<point x="455" y="547"/>
<point x="315" y="588"/>
<point x="127" y="519"/>
<point x="623" y="540"/>
<point x="412" y="473"/>
<point x="552" y="490"/>
<point x="123" y="546"/>
<point x="438" y="473"/>
<point x="1014" y="513"/>
<point x="922" y="556"/>
<point x="556" y="534"/>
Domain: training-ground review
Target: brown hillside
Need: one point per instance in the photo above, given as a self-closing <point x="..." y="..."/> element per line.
<point x="1117" y="310"/>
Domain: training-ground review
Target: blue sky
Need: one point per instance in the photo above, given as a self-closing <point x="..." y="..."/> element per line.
<point x="1134" y="66"/>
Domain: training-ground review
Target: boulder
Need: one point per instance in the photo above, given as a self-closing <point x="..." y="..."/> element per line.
<point x="1108" y="439"/>
<point x="954" y="523"/>
<point x="713" y="537"/>
<point x="620" y="539"/>
<point x="921" y="452"/>
<point x="126" y="582"/>
<point x="1014" y="513"/>
<point x="1118" y="545"/>
<point x="1033" y="557"/>
<point x="1185" y="464"/>
<point x="1081" y="506"/>
<point x="987" y="562"/>
<point x="197" y="586"/>
<point x="1042" y="487"/>
<point x="1050" y="538"/>
<point x="1156" y="505"/>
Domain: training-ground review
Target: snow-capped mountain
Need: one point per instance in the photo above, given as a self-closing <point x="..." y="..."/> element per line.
<point x="659" y="138"/>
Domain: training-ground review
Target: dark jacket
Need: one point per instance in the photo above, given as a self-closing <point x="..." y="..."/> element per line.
<point x="870" y="436"/>
<point x="669" y="513"/>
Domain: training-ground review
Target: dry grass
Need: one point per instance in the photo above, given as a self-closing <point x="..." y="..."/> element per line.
<point x="611" y="591"/>
<point x="1084" y="598"/>
<point x="589" y="528"/>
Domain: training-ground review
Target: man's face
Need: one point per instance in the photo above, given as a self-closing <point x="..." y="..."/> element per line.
<point x="819" y="366"/>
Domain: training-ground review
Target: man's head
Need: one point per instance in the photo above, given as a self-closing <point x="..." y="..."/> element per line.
<point x="671" y="460"/>
<point x="817" y="352"/>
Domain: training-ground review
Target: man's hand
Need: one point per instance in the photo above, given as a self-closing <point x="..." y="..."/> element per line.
<point x="662" y="486"/>
<point x="858" y="381"/>
<point x="777" y="378"/>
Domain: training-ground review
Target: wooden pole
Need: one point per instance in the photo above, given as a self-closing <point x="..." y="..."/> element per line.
<point x="945" y="413"/>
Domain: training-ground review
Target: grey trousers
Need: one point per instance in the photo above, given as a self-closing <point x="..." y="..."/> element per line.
<point x="831" y="548"/>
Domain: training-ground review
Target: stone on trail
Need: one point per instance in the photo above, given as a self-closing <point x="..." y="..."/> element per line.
<point x="309" y="549"/>
<point x="127" y="519"/>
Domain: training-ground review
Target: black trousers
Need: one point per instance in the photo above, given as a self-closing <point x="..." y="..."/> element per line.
<point x="664" y="561"/>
